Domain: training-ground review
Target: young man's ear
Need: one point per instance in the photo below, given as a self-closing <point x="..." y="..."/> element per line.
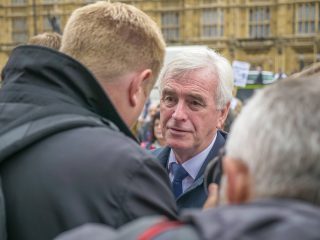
<point x="238" y="181"/>
<point x="223" y="115"/>
<point x="138" y="86"/>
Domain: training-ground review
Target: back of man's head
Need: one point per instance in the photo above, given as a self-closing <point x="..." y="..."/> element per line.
<point x="113" y="39"/>
<point x="47" y="39"/>
<point x="191" y="59"/>
<point x="277" y="136"/>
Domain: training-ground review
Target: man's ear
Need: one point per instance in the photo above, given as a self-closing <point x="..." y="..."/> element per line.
<point x="138" y="86"/>
<point x="238" y="181"/>
<point x="223" y="115"/>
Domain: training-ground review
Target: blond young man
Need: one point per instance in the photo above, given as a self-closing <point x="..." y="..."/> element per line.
<point x="74" y="159"/>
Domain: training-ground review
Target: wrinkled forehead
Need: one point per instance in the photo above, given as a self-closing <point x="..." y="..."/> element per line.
<point x="203" y="79"/>
<point x="184" y="74"/>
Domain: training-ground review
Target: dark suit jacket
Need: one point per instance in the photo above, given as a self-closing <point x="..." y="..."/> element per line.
<point x="196" y="194"/>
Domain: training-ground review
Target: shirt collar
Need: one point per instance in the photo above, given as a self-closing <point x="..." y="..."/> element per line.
<point x="192" y="165"/>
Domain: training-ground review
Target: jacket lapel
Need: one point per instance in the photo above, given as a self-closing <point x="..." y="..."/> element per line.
<point x="162" y="154"/>
<point x="219" y="143"/>
<point x="163" y="157"/>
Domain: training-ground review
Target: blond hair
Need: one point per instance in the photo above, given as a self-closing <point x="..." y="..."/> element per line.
<point x="47" y="39"/>
<point x="112" y="39"/>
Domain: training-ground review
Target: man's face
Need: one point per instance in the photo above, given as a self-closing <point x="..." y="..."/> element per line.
<point x="189" y="115"/>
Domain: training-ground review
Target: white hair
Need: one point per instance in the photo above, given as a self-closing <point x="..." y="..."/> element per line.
<point x="277" y="135"/>
<point x="189" y="59"/>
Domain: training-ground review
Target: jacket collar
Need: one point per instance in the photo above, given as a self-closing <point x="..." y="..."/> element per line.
<point x="218" y="144"/>
<point x="163" y="155"/>
<point x="57" y="73"/>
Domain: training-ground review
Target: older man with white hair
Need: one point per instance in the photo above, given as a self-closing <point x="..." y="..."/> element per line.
<point x="196" y="90"/>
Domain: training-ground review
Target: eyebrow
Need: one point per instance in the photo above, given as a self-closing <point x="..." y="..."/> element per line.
<point x="167" y="91"/>
<point x="196" y="96"/>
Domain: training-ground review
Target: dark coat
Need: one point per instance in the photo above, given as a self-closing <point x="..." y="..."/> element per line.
<point x="276" y="219"/>
<point x="196" y="194"/>
<point x="81" y="175"/>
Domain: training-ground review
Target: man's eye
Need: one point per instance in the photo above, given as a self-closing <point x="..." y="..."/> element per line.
<point x="195" y="103"/>
<point x="168" y="99"/>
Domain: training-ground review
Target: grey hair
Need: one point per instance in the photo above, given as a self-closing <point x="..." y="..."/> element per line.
<point x="277" y="135"/>
<point x="191" y="59"/>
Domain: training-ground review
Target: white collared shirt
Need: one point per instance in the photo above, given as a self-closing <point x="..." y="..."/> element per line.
<point x="192" y="165"/>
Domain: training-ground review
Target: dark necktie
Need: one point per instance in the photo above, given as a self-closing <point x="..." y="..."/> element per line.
<point x="179" y="174"/>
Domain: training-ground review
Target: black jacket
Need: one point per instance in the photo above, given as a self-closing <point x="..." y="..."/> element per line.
<point x="269" y="219"/>
<point x="276" y="219"/>
<point x="81" y="175"/>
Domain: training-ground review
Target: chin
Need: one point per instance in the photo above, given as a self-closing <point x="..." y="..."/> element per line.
<point x="178" y="145"/>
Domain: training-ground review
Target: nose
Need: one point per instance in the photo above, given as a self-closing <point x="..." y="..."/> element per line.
<point x="179" y="112"/>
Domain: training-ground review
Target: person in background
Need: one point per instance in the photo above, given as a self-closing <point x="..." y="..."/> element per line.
<point x="157" y="139"/>
<point x="235" y="108"/>
<point x="145" y="110"/>
<point x="271" y="187"/>
<point x="145" y="131"/>
<point x="259" y="79"/>
<point x="280" y="75"/>
<point x="67" y="154"/>
<point x="47" y="39"/>
<point x="196" y="90"/>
